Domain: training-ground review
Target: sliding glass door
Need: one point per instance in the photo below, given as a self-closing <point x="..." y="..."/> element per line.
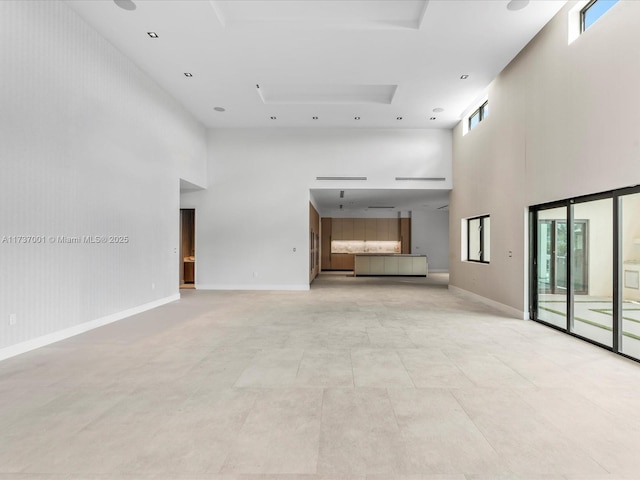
<point x="630" y="274"/>
<point x="592" y="271"/>
<point x="585" y="268"/>
<point x="552" y="266"/>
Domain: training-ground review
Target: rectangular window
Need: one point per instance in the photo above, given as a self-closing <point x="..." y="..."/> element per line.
<point x="480" y="114"/>
<point x="478" y="239"/>
<point x="593" y="11"/>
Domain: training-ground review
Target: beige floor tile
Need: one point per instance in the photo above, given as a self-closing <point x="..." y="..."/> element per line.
<point x="389" y="337"/>
<point x="325" y="368"/>
<point x="281" y="434"/>
<point x="360" y="434"/>
<point x="271" y="368"/>
<point x="486" y="370"/>
<point x="430" y="368"/>
<point x="438" y="435"/>
<point x="603" y="436"/>
<point x="527" y="443"/>
<point x="379" y="368"/>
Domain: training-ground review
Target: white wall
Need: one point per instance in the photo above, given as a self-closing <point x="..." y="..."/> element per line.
<point x="564" y="122"/>
<point x="90" y="146"/>
<point x="256" y="208"/>
<point x="430" y="237"/>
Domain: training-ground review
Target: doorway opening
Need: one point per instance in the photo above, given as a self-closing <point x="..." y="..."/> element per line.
<point x="187" y="248"/>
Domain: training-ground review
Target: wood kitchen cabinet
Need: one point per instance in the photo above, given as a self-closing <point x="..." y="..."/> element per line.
<point x="359" y="230"/>
<point x="342" y="261"/>
<point x="336" y="229"/>
<point x="347" y="229"/>
<point x="405" y="235"/>
<point x="370" y="229"/>
<point x="325" y="246"/>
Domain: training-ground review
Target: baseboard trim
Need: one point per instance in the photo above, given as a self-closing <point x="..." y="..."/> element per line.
<point x="512" y="312"/>
<point x="27" y="346"/>
<point x="295" y="288"/>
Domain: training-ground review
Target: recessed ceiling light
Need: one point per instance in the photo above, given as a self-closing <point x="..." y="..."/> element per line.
<point x="272" y="118"/>
<point x="432" y="118"/>
<point x="438" y="110"/>
<point x="398" y="118"/>
<point x="356" y="118"/>
<point x="514" y="5"/>
<point x="125" y="4"/>
<point x="464" y="77"/>
<point x="187" y="74"/>
<point x="220" y="109"/>
<point x="152" y="34"/>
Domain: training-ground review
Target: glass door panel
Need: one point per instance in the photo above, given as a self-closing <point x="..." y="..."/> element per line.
<point x="630" y="274"/>
<point x="560" y="256"/>
<point x="552" y="266"/>
<point x="592" y="270"/>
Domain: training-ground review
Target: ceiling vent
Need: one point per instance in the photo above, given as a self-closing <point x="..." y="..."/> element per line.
<point x="341" y="178"/>
<point x="423" y="179"/>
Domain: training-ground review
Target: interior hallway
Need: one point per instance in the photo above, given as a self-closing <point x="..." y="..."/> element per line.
<point x="376" y="378"/>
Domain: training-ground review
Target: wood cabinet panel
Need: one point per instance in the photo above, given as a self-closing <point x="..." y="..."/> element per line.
<point x="405" y="235"/>
<point x="382" y="229"/>
<point x="342" y="261"/>
<point x="393" y="225"/>
<point x="347" y="229"/>
<point x="358" y="229"/>
<point x="325" y="247"/>
<point x="314" y="243"/>
<point x="350" y="261"/>
<point x="370" y="229"/>
<point x="189" y="272"/>
<point x="336" y="229"/>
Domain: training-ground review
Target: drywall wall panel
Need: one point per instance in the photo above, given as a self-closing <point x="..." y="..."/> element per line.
<point x="430" y="237"/>
<point x="92" y="151"/>
<point x="255" y="211"/>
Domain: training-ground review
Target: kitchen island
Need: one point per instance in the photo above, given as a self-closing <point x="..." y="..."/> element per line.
<point x="390" y="264"/>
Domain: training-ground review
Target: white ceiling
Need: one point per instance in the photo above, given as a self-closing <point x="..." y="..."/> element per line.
<point x="387" y="62"/>
<point x="357" y="202"/>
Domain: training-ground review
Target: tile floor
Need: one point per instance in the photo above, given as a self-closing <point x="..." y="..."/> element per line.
<point x="366" y="378"/>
